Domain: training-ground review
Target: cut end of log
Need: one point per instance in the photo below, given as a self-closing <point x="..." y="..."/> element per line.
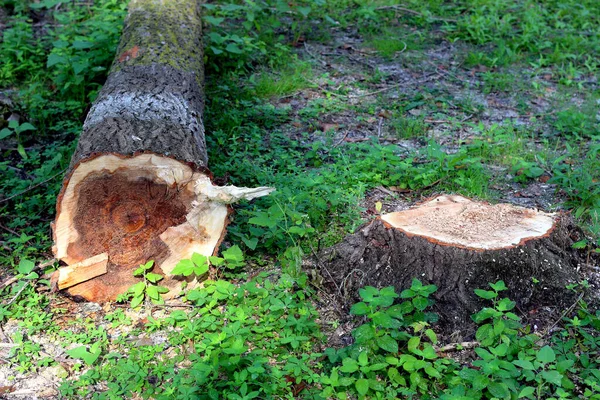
<point x="135" y="209"/>
<point x="457" y="221"/>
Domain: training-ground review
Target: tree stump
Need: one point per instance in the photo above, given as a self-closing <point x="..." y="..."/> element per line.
<point x="460" y="245"/>
<point x="138" y="188"/>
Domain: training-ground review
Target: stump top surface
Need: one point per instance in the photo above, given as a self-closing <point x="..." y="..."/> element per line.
<point x="457" y="221"/>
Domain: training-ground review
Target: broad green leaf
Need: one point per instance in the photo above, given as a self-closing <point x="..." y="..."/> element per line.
<point x="138" y="288"/>
<point x="183" y="267"/>
<point x="384" y="320"/>
<point x="499" y="390"/>
<point x="81" y="352"/>
<point x="233" y="254"/>
<point x="349" y="365"/>
<point x="215" y="21"/>
<point x="413" y="343"/>
<point x="552" y="376"/>
<point x="525" y="364"/>
<point x="499" y="350"/>
<point x="480" y="382"/>
<point x="363" y="358"/>
<point x="396" y="311"/>
<point x="362" y="386"/>
<point x="564" y="365"/>
<point x="152" y="292"/>
<point x="25" y="267"/>
<point x="526" y="392"/>
<point x="152" y="277"/>
<point x="432" y="372"/>
<point x="498" y="286"/>
<point x="506" y="304"/>
<point x="136" y="301"/>
<point x="484" y="354"/>
<point x="429" y="352"/>
<point x="388" y="344"/>
<point x="484" y="314"/>
<point x="148" y="266"/>
<point x="21" y="151"/>
<point x="368" y="293"/>
<point x="485" y="294"/>
<point x="431" y="335"/>
<point x="82" y="44"/>
<point x="484" y="332"/>
<point x="263" y="219"/>
<point x="26" y="126"/>
<point x="54" y="59"/>
<point x="420" y="303"/>
<point x="304" y="11"/>
<point x="360" y="308"/>
<point x="546" y="355"/>
<point x="4" y="133"/>
<point x="250" y="242"/>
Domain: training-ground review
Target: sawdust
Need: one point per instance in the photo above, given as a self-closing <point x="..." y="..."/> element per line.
<point x="456" y="220"/>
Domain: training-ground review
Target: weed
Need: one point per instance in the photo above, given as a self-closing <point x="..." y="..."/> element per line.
<point x="146" y="288"/>
<point x="292" y="77"/>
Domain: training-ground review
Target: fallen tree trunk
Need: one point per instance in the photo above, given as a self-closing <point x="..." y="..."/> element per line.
<point x="460" y="245"/>
<point x="138" y="188"/>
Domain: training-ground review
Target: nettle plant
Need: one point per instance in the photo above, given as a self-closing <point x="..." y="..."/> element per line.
<point x="393" y="354"/>
<point x="253" y="340"/>
<point x="515" y="364"/>
<point x="146" y="288"/>
<point x="198" y="265"/>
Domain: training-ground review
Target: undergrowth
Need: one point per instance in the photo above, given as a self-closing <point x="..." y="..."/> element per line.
<point x="259" y="338"/>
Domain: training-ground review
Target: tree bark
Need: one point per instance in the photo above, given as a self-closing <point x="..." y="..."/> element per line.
<point x="138" y="187"/>
<point x="530" y="251"/>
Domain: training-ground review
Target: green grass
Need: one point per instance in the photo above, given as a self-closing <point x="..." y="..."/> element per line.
<point x="292" y="77"/>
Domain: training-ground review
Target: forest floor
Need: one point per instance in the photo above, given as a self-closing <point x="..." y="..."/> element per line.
<point x="364" y="111"/>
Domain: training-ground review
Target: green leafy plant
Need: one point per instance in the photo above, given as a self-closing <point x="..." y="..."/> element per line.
<point x="198" y="265"/>
<point x="146" y="288"/>
<point x="88" y="355"/>
<point x="393" y="354"/>
<point x="14" y="128"/>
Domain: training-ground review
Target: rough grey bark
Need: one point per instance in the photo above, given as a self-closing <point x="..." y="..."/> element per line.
<point x="153" y="98"/>
<point x="536" y="272"/>
<point x="146" y="108"/>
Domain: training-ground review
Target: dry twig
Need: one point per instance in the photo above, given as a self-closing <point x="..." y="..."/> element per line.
<point x="457" y="346"/>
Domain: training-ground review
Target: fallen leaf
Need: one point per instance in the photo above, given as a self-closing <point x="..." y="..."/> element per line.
<point x="7" y="389"/>
<point x="378" y="206"/>
<point x="324" y="126"/>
